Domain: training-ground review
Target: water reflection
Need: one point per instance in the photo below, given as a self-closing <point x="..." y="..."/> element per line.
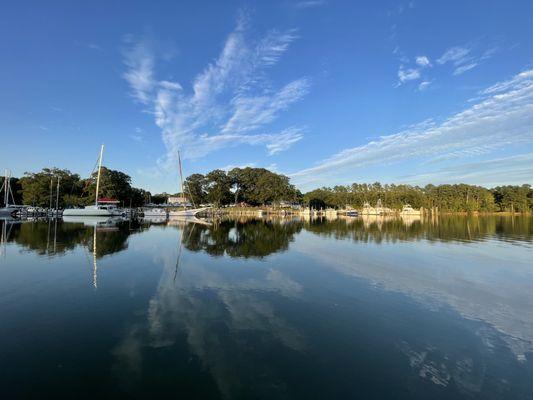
<point x="56" y="237"/>
<point x="247" y="238"/>
<point x="292" y="308"/>
<point x="455" y="332"/>
<point x="257" y="238"/>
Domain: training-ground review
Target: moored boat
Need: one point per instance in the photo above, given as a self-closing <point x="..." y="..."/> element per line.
<point x="101" y="207"/>
<point x="408" y="210"/>
<point x="192" y="212"/>
<point x="9" y="210"/>
<point x="154" y="212"/>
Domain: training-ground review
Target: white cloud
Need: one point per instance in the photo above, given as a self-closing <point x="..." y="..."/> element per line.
<point x="308" y="4"/>
<point x="501" y="118"/>
<point x="136" y="138"/>
<point x="283" y="140"/>
<point x="94" y="46"/>
<point x="424" y="85"/>
<point x="232" y="166"/>
<point x="463" y="68"/>
<point x="423" y="61"/>
<point x="139" y="75"/>
<point x="231" y="99"/>
<point x="464" y="58"/>
<point x="456" y="55"/>
<point x="170" y="85"/>
<point x="253" y="112"/>
<point x="512" y="170"/>
<point x="405" y="75"/>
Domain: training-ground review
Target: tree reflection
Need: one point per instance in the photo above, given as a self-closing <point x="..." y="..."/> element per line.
<point x="241" y="237"/>
<point x="55" y="237"/>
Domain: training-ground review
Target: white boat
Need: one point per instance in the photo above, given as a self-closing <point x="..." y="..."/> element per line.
<point x="8" y="210"/>
<point x="93" y="221"/>
<point x="185" y="212"/>
<point x="154" y="212"/>
<point x="408" y="210"/>
<point x="192" y="212"/>
<point x="181" y="221"/>
<point x="101" y="207"/>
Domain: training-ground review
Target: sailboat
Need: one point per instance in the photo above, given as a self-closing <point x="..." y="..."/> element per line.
<point x="107" y="208"/>
<point x="185" y="213"/>
<point x="8" y="210"/>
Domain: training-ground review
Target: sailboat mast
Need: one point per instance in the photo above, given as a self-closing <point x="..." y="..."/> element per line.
<point x="98" y="176"/>
<point x="57" y="193"/>
<point x="6" y="189"/>
<point x="181" y="174"/>
<point x="51" y="190"/>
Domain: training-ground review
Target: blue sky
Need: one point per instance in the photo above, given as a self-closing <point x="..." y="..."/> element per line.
<point x="326" y="92"/>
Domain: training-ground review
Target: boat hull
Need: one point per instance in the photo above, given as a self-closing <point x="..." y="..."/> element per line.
<point x="82" y="212"/>
<point x="186" y="213"/>
<point x="8" y="211"/>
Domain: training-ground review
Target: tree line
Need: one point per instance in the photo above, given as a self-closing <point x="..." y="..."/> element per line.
<point x="39" y="189"/>
<point x="448" y="198"/>
<point x="253" y="186"/>
<point x="259" y="186"/>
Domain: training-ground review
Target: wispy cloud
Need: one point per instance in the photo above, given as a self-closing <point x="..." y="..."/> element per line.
<point x="94" y="46"/>
<point x="232" y="166"/>
<point x="414" y="73"/>
<point x="140" y="65"/>
<point x="232" y="101"/>
<point x="308" y="4"/>
<point x="456" y="55"/>
<point x="423" y="61"/>
<point x="512" y="170"/>
<point x="463" y="58"/>
<point x="502" y="117"/>
<point x="424" y="85"/>
<point x="410" y="74"/>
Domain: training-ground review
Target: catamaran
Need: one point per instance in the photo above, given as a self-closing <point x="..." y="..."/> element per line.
<point x="9" y="210"/>
<point x="101" y="207"/>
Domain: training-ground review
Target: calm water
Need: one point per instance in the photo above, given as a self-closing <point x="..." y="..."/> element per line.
<point x="289" y="309"/>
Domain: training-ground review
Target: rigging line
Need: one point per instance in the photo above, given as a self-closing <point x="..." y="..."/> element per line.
<point x="89" y="180"/>
<point x="12" y="197"/>
<point x="184" y="185"/>
<point x="180" y="251"/>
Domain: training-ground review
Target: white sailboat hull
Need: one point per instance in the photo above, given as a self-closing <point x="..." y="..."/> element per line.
<point x="186" y="213"/>
<point x="8" y="211"/>
<point x="155" y="212"/>
<point x="92" y="211"/>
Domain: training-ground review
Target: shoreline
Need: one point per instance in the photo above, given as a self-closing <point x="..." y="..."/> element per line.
<point x="257" y="211"/>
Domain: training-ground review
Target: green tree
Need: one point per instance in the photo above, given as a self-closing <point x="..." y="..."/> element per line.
<point x="195" y="185"/>
<point x="218" y="187"/>
<point x="35" y="187"/>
